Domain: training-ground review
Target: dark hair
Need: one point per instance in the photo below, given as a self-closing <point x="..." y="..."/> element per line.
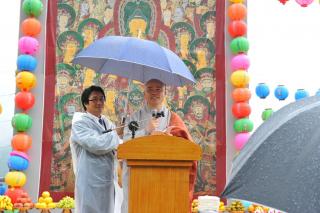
<point x="87" y="92"/>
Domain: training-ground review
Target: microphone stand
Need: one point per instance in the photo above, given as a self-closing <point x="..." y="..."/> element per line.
<point x="133" y="126"/>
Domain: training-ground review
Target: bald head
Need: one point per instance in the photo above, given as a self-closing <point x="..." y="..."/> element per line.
<point x="154" y="93"/>
<point x="152" y="81"/>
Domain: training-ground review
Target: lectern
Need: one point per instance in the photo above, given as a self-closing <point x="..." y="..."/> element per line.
<point x="159" y="173"/>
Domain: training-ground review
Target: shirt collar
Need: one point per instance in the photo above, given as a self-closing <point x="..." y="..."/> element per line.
<point x="95" y="118"/>
<point x="149" y="110"/>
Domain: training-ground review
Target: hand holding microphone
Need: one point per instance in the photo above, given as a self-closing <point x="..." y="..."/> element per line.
<point x="153" y="124"/>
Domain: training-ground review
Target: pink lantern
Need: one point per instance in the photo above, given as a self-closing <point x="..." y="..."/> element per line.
<point x="304" y="3"/>
<point x="241" y="139"/>
<point x="240" y="62"/>
<point x="28" y="45"/>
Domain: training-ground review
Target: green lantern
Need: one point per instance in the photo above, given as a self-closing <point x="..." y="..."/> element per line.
<point x="266" y="114"/>
<point x="243" y="125"/>
<point x="21" y="122"/>
<point x="32" y="7"/>
<point x="239" y="45"/>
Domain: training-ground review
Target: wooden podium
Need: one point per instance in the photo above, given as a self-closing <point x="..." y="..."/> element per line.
<point x="159" y="173"/>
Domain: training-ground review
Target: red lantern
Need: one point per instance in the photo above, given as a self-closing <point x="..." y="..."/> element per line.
<point x="24" y="100"/>
<point x="241" y="94"/>
<point x="241" y="109"/>
<point x="14" y="194"/>
<point x="21" y="142"/>
<point x="237" y="28"/>
<point x="237" y="11"/>
<point x="283" y="1"/>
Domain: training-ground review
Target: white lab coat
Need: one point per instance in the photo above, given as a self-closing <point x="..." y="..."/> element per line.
<point x="93" y="157"/>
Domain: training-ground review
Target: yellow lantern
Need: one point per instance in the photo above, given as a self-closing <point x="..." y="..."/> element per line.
<point x="15" y="179"/>
<point x="240" y="78"/>
<point x="0" y="108"/>
<point x="26" y="80"/>
<point x="237" y="1"/>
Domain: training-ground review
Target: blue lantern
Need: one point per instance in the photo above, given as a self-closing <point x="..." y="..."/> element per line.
<point x="281" y="92"/>
<point x="318" y="92"/>
<point x="17" y="163"/>
<point x="301" y="93"/>
<point x="262" y="90"/>
<point x="27" y="63"/>
<point x="3" y="189"/>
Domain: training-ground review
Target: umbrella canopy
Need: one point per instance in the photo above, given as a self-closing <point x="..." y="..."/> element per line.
<point x="135" y="59"/>
<point x="280" y="165"/>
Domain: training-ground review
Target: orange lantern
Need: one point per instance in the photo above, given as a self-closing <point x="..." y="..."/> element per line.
<point x="24" y="100"/>
<point x="15" y="179"/>
<point x="241" y="94"/>
<point x="240" y="78"/>
<point x="26" y="80"/>
<point x="21" y="142"/>
<point x="31" y="27"/>
<point x="237" y="11"/>
<point x="237" y="28"/>
<point x="0" y="108"/>
<point x="241" y="109"/>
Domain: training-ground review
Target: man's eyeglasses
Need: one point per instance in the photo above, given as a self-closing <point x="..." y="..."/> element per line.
<point x="95" y="100"/>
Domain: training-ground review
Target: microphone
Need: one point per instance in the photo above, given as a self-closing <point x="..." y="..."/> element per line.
<point x="134" y="125"/>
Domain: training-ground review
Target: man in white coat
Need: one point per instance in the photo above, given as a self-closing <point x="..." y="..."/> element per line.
<point x="92" y="149"/>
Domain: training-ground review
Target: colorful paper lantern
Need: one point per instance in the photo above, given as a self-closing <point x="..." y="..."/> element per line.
<point x="26" y="81"/>
<point x="24" y="100"/>
<point x="240" y="140"/>
<point x="283" y="1"/>
<point x="3" y="189"/>
<point x="0" y="108"/>
<point x="240" y="78"/>
<point x="281" y="92"/>
<point x="15" y="179"/>
<point x="262" y="90"/>
<point x="304" y="3"/>
<point x="239" y="45"/>
<point x="14" y="194"/>
<point x="26" y="62"/>
<point x="241" y="94"/>
<point x="241" y="109"/>
<point x="28" y="45"/>
<point x="20" y="154"/>
<point x="266" y="114"/>
<point x="237" y="28"/>
<point x="240" y="62"/>
<point x="318" y="92"/>
<point x="236" y="1"/>
<point x="31" y="27"/>
<point x="32" y="7"/>
<point x="243" y="125"/>
<point x="301" y="93"/>
<point x="21" y="122"/>
<point x="237" y="11"/>
<point x="21" y="142"/>
<point x="17" y="163"/>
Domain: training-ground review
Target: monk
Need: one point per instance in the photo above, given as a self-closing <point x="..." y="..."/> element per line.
<point x="168" y="123"/>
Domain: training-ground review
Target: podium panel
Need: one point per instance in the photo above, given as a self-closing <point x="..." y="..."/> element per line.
<point x="159" y="173"/>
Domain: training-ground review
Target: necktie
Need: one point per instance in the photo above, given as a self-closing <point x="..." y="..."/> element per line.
<point x="100" y="121"/>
